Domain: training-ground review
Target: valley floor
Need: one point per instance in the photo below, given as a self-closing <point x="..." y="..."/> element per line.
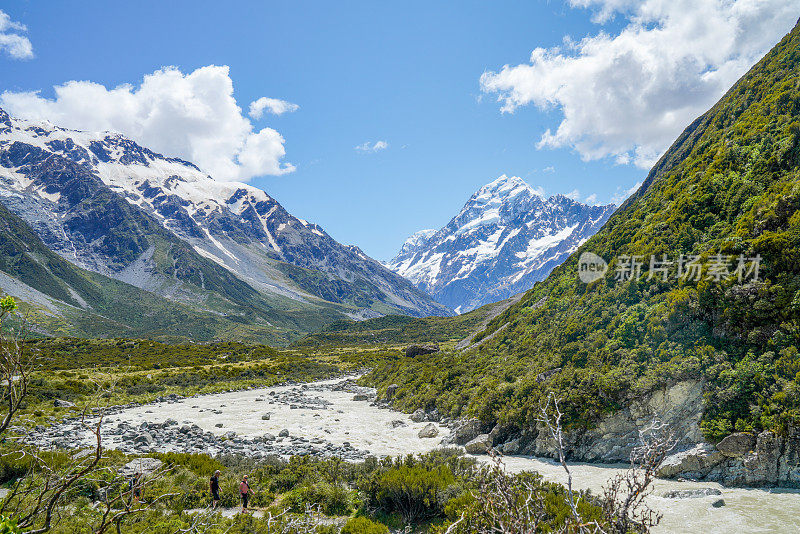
<point x="326" y="412"/>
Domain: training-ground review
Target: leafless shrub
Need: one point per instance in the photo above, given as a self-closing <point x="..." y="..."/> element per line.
<point x="505" y="504"/>
<point x="624" y="497"/>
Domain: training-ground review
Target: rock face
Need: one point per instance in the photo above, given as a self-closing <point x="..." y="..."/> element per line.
<point x="680" y="406"/>
<point x="420" y="350"/>
<point x="505" y="238"/>
<point x="740" y="459"/>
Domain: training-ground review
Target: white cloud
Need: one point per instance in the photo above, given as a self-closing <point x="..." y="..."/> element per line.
<point x="271" y="105"/>
<point x="549" y="170"/>
<point x="15" y="45"/>
<point x="372" y="147"/>
<point x="628" y="95"/>
<point x="193" y="116"/>
<point x="574" y="194"/>
<point x="592" y="199"/>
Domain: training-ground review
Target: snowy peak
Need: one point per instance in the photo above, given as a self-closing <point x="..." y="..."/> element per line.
<point x="505" y="238"/>
<point x="504" y="188"/>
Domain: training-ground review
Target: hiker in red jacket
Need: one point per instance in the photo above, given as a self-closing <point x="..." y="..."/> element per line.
<point x="245" y="492"/>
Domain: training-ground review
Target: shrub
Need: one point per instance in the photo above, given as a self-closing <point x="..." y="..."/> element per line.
<point x="333" y="499"/>
<point x="362" y="525"/>
<point x="414" y="491"/>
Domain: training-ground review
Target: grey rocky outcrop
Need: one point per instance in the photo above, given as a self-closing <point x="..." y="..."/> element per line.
<point x="479" y="445"/>
<point x="737" y="444"/>
<point x="420" y="350"/>
<point x="740" y="459"/>
<point x="418" y="416"/>
<point x="464" y="431"/>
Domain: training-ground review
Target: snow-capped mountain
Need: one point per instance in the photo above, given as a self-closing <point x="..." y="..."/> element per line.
<point x="505" y="238"/>
<point x="111" y="206"/>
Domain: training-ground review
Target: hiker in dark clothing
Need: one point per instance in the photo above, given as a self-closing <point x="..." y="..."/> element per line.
<point x="245" y="491"/>
<point x="214" y="486"/>
<point x="134" y="487"/>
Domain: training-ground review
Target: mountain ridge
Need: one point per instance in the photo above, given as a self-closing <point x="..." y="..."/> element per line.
<point x="159" y="223"/>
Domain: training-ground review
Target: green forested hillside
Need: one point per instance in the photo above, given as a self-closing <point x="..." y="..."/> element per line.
<point x="730" y="185"/>
<point x="400" y="329"/>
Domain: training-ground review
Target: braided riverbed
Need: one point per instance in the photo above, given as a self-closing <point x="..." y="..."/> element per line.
<point x="335" y="417"/>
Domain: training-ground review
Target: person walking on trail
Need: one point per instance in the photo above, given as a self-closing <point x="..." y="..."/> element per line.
<point x="214" y="486"/>
<point x="134" y="487"/>
<point x="245" y="492"/>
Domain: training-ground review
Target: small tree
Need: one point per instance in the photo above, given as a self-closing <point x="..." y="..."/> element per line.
<point x="36" y="501"/>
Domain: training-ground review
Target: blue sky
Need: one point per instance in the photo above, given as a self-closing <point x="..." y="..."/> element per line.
<point x="406" y="73"/>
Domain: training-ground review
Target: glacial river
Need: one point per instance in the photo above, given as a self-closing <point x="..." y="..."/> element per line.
<point x="370" y="428"/>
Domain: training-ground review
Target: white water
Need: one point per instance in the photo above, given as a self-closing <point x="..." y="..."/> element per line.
<point x="368" y="427"/>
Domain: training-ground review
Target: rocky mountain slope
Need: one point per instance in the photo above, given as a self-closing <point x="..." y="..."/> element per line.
<point x="725" y="198"/>
<point x="504" y="239"/>
<point x="61" y="299"/>
<point x="113" y="207"/>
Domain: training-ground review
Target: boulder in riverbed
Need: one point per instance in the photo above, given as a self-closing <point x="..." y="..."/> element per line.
<point x="430" y="431"/>
<point x="695" y="462"/>
<point x="479" y="445"/>
<point x="691" y="493"/>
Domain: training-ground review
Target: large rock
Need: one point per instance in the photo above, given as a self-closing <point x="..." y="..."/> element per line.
<point x="737" y="444"/>
<point x="465" y="431"/>
<point x="420" y="350"/>
<point x="510" y="447"/>
<point x="479" y="445"/>
<point x="693" y="463"/>
<point x="390" y="391"/>
<point x="143" y="438"/>
<point x="418" y="416"/>
<point x="145" y="466"/>
<point x="58" y="403"/>
<point x="691" y="493"/>
<point x="430" y="431"/>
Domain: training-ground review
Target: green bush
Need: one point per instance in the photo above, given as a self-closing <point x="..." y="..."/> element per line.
<point x="415" y="492"/>
<point x="333" y="499"/>
<point x="362" y="525"/>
